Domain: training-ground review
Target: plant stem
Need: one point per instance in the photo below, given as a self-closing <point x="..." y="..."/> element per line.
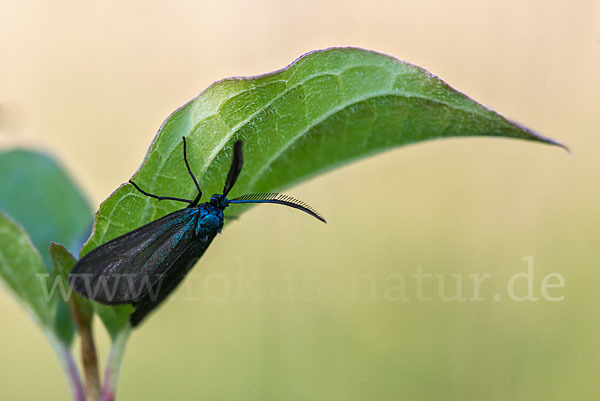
<point x="89" y="358"/>
<point x="68" y="364"/>
<point x="113" y="365"/>
<point x="89" y="361"/>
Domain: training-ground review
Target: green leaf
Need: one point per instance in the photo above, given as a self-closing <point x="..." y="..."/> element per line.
<point x="114" y="318"/>
<point x="37" y="193"/>
<point x="23" y="272"/>
<point x="326" y="109"/>
<point x="80" y="308"/>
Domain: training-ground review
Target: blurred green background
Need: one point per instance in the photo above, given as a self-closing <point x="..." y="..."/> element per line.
<point x="91" y="83"/>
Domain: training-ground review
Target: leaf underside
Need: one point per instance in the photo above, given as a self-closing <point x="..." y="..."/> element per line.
<point x="326" y="109"/>
<point x="23" y="272"/>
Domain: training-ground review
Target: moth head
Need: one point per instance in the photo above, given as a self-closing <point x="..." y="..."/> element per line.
<point x="219" y="200"/>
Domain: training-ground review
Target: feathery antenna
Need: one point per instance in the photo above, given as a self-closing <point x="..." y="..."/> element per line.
<point x="279" y="199"/>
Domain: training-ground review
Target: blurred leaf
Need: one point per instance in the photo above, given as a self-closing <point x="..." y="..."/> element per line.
<point x="23" y="272"/>
<point x="80" y="308"/>
<point x="64" y="325"/>
<point x="37" y="193"/>
<point x="326" y="109"/>
<point x="114" y="318"/>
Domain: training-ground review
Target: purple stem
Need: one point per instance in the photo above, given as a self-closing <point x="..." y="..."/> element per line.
<point x="73" y="375"/>
<point x="113" y="365"/>
<point x="108" y="392"/>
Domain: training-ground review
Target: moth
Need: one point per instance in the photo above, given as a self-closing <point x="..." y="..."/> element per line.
<point x="143" y="266"/>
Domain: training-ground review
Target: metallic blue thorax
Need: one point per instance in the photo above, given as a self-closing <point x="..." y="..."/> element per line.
<point x="210" y="218"/>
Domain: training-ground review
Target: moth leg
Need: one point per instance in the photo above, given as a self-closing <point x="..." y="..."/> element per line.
<point x="160" y="197"/>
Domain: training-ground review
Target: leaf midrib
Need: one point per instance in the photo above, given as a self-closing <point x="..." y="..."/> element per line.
<point x="226" y="138"/>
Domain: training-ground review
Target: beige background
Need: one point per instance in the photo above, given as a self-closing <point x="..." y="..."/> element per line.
<point x="91" y="82"/>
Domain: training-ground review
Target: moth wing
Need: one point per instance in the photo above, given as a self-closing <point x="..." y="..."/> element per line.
<point x="161" y="290"/>
<point x="125" y="268"/>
